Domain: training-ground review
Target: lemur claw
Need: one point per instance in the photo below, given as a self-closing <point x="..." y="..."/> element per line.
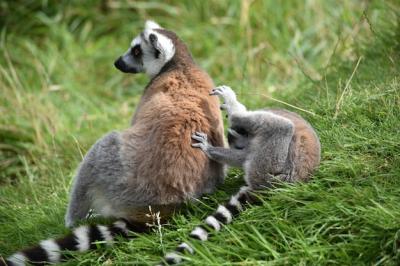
<point x="197" y="145"/>
<point x="202" y="141"/>
<point x="200" y="137"/>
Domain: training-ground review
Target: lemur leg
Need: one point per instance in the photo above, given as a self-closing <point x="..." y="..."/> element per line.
<point x="231" y="157"/>
<point x="99" y="167"/>
<point x="271" y="163"/>
<point x="79" y="203"/>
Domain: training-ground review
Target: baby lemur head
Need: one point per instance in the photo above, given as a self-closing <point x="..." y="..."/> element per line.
<point x="152" y="50"/>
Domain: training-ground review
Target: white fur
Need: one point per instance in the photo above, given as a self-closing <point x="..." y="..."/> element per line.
<point x="105" y="233"/>
<point x="52" y="249"/>
<point x="244" y="189"/>
<point x="187" y="247"/>
<point x="211" y="221"/>
<point x="18" y="259"/>
<point x="134" y="42"/>
<point x="150" y="24"/>
<point x="151" y="65"/>
<point x="166" y="47"/>
<point x="225" y="212"/>
<point x="82" y="236"/>
<point x="246" y="167"/>
<point x="235" y="202"/>
<point x="121" y="225"/>
<point x="200" y="232"/>
<point x="231" y="104"/>
<point x="173" y="256"/>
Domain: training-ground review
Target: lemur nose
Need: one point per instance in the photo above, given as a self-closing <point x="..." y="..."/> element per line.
<point x="120" y="64"/>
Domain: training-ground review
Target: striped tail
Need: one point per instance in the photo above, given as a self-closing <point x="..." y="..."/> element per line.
<point x="81" y="239"/>
<point x="224" y="215"/>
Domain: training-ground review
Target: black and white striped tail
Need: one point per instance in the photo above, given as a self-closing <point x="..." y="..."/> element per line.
<point x="81" y="239"/>
<point x="224" y="215"/>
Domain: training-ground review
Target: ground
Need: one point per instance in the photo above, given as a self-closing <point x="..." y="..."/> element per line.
<point x="334" y="62"/>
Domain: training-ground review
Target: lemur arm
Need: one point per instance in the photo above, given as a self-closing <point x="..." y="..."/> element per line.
<point x="231" y="157"/>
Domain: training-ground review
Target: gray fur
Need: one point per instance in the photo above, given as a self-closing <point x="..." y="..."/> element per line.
<point x="264" y="152"/>
<point x="100" y="169"/>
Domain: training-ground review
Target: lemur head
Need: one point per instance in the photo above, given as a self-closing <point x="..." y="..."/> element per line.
<point x="148" y="52"/>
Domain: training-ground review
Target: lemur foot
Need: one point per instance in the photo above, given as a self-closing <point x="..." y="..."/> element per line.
<point x="202" y="141"/>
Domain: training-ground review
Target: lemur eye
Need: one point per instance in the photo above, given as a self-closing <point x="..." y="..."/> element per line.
<point x="136" y="51"/>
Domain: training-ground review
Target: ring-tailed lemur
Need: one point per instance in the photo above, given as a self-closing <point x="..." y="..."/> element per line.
<point x="149" y="164"/>
<point x="270" y="145"/>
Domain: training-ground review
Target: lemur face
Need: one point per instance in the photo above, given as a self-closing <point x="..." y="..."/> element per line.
<point x="148" y="52"/>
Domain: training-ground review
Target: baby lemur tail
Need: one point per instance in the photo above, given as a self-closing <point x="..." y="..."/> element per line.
<point x="222" y="216"/>
<point x="81" y="239"/>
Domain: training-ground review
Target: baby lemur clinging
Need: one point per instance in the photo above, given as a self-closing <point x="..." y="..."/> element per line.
<point x="270" y="145"/>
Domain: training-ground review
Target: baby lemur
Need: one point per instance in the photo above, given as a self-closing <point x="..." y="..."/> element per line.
<point x="270" y="145"/>
<point x="151" y="163"/>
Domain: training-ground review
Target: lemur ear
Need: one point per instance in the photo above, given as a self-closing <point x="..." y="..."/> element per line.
<point x="151" y="25"/>
<point x="154" y="43"/>
<point x="153" y="39"/>
<point x="163" y="46"/>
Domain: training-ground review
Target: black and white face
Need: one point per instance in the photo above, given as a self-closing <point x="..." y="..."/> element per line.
<point x="148" y="52"/>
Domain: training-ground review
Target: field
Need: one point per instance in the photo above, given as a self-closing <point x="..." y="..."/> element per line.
<point x="334" y="62"/>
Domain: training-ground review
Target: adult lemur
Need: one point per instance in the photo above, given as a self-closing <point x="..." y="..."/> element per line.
<point x="151" y="163"/>
<point x="270" y="145"/>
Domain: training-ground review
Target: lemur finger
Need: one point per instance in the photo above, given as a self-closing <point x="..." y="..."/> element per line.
<point x="213" y="93"/>
<point x="217" y="91"/>
<point x="197" y="145"/>
<point x="201" y="134"/>
<point x="199" y="138"/>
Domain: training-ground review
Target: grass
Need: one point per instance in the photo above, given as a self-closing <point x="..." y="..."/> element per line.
<point x="334" y="62"/>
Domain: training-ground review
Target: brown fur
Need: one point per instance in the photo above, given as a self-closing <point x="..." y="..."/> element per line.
<point x="174" y="105"/>
<point x="305" y="146"/>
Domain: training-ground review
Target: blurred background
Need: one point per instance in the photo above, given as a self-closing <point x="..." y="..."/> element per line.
<point x="59" y="90"/>
<point x="57" y="77"/>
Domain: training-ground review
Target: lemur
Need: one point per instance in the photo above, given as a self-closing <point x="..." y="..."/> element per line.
<point x="270" y="145"/>
<point x="149" y="164"/>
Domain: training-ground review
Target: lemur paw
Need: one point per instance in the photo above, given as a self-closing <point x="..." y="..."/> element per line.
<point x="202" y="140"/>
<point x="225" y="92"/>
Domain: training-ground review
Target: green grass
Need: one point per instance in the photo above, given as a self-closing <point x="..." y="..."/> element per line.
<point x="334" y="62"/>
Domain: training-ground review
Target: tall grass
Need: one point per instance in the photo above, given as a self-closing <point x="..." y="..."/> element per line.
<point x="334" y="62"/>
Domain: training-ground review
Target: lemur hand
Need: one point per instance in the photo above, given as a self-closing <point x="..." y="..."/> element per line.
<point x="226" y="93"/>
<point x="230" y="104"/>
<point x="202" y="141"/>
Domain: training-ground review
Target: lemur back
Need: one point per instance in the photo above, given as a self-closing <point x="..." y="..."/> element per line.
<point x="270" y="145"/>
<point x="150" y="164"/>
<point x="305" y="147"/>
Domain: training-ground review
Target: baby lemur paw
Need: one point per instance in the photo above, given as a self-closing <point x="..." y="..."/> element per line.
<point x="202" y="141"/>
<point x="225" y="92"/>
